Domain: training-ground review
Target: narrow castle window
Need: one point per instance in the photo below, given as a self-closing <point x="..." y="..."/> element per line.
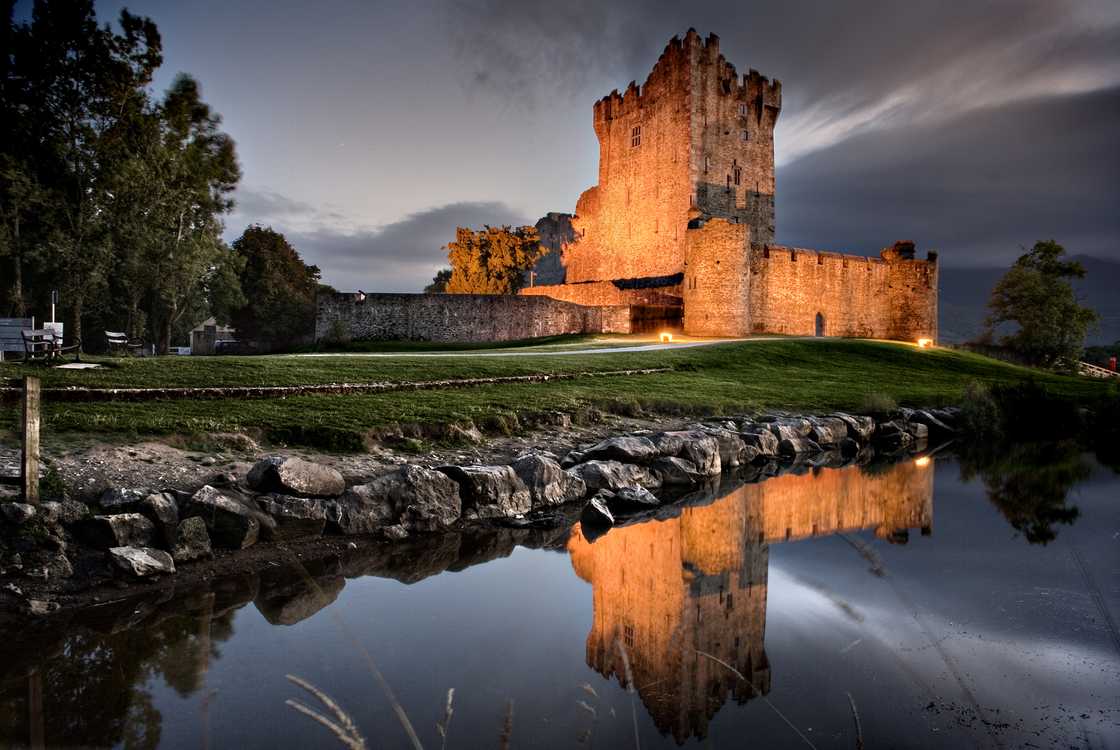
<point x="738" y="175"/>
<point x="707" y="163"/>
<point x="744" y="135"/>
<point x="636" y="136"/>
<point x="742" y="110"/>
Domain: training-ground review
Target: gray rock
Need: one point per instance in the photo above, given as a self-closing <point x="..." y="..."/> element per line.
<point x="696" y="446"/>
<point x="596" y="514"/>
<point x="791" y="431"/>
<point x="860" y="428"/>
<point x="162" y="509"/>
<point x="892" y="437"/>
<point x="731" y="446"/>
<point x="828" y="431"/>
<point x="490" y="491"/>
<point x="120" y="530"/>
<point x="797" y="447"/>
<point x="294" y="476"/>
<point x="548" y="483"/>
<point x="192" y="541"/>
<point x="917" y="430"/>
<point x="142" y="561"/>
<point x="395" y="533"/>
<point x="935" y="425"/>
<point x="295" y="517"/>
<point x="121" y="500"/>
<point x="416" y="497"/>
<point x="677" y="472"/>
<point x="762" y="440"/>
<point x="362" y="509"/>
<point x="627" y="449"/>
<point x="613" y="476"/>
<point x="629" y="499"/>
<point x="17" y="513"/>
<point x="230" y="523"/>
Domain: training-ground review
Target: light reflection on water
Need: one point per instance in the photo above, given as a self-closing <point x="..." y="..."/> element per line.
<point x="770" y="613"/>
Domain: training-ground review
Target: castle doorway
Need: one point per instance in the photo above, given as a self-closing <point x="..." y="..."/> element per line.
<point x="820" y="325"/>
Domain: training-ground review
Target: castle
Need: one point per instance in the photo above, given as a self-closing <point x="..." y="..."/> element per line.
<point x="677" y="234"/>
<point x="682" y="219"/>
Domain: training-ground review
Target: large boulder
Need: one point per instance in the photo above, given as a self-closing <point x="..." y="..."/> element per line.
<point x="936" y="426"/>
<point x="628" y="499"/>
<point x="627" y="449"/>
<point x="490" y="491"/>
<point x="163" y="511"/>
<point x="596" y="515"/>
<point x="613" y="476"/>
<point x="295" y="476"/>
<point x="696" y="446"/>
<point x="860" y="428"/>
<point x="362" y="509"/>
<point x="761" y="440"/>
<point x="676" y="472"/>
<point x="121" y="530"/>
<point x="548" y="483"/>
<point x="142" y="562"/>
<point x="16" y="514"/>
<point x="192" y="541"/>
<point x="917" y="430"/>
<point x="731" y="447"/>
<point x="231" y="523"/>
<point x="415" y="497"/>
<point x="295" y="517"/>
<point x="891" y="437"/>
<point x="791" y="430"/>
<point x="828" y="431"/>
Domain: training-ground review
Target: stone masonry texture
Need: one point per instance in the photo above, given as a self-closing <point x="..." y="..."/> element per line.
<point x="459" y="317"/>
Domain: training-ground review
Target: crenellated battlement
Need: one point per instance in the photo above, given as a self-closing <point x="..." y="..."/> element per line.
<point x="682" y="60"/>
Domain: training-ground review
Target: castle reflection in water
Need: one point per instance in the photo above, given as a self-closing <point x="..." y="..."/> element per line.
<point x="682" y="593"/>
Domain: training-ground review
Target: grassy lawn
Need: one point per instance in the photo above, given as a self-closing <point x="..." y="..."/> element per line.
<point x="810" y="375"/>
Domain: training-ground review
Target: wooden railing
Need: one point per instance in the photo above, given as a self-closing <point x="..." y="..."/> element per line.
<point x="1093" y="371"/>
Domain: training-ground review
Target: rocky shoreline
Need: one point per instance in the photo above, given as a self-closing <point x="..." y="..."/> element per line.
<point x="69" y="553"/>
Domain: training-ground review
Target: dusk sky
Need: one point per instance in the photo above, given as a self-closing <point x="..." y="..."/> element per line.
<point x="368" y="130"/>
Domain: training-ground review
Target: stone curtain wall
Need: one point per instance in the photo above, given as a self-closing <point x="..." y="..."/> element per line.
<point x="598" y="293"/>
<point x="460" y="317"/>
<point x="856" y="296"/>
<point x="716" y="282"/>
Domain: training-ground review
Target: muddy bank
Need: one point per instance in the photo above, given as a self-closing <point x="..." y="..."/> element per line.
<point x="121" y="525"/>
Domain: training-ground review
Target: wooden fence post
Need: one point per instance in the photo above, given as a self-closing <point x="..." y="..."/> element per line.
<point x="29" y="466"/>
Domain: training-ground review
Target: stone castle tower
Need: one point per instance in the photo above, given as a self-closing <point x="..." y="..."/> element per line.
<point x="695" y="140"/>
<point x="682" y="219"/>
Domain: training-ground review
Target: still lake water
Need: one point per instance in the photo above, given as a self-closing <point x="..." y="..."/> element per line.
<point x="950" y="606"/>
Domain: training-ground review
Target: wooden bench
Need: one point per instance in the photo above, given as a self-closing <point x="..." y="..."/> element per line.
<point x="118" y="342"/>
<point x="10" y="338"/>
<point x="45" y="345"/>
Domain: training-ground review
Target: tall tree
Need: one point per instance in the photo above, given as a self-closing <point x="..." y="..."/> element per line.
<point x="491" y="261"/>
<point x="72" y="83"/>
<point x="1036" y="297"/>
<point x="280" y="289"/>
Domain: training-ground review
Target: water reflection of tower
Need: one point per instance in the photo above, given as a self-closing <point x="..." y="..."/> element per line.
<point x="684" y="592"/>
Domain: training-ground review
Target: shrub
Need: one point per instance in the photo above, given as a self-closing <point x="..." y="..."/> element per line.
<point x="878" y="405"/>
<point x="980" y="414"/>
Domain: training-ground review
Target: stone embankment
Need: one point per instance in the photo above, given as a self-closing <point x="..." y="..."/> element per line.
<point x="129" y="536"/>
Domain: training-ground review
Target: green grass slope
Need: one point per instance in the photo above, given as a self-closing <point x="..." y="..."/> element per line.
<point x="753" y="376"/>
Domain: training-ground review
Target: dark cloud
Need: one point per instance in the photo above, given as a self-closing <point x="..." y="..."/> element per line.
<point x="399" y="257"/>
<point x="845" y="66"/>
<point x="977" y="187"/>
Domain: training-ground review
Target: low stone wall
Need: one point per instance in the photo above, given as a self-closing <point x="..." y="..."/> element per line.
<point x="460" y="317"/>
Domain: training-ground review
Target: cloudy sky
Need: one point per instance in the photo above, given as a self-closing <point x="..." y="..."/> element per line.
<point x="368" y="130"/>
